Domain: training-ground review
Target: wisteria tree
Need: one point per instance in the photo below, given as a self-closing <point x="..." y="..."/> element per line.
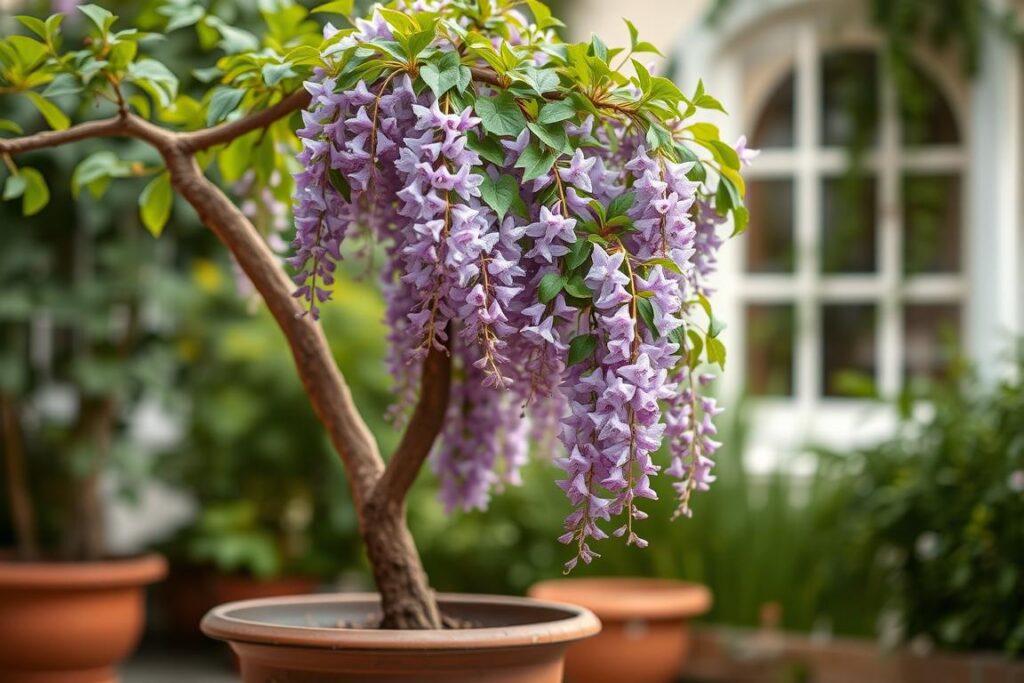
<point x="550" y="214"/>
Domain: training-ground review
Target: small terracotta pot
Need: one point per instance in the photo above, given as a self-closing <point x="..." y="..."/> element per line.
<point x="190" y="592"/>
<point x="235" y="587"/>
<point x="72" y="622"/>
<point x="304" y="640"/>
<point x="644" y="638"/>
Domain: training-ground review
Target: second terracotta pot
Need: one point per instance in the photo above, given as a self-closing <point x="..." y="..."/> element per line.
<point x="645" y="636"/>
<point x="71" y="622"/>
<point x="307" y="640"/>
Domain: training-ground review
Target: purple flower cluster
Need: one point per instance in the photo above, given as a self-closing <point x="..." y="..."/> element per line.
<point x="568" y="314"/>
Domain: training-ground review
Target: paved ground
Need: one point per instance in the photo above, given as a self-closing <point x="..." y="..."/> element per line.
<point x="166" y="664"/>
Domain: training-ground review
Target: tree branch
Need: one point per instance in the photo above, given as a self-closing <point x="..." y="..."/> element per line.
<point x="320" y="376"/>
<point x="130" y="125"/>
<point x="102" y="128"/>
<point x="424" y="426"/>
<point x="199" y="140"/>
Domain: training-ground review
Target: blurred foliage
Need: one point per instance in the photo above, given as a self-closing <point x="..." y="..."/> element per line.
<point x="270" y="489"/>
<point x="936" y="514"/>
<point x="84" y="323"/>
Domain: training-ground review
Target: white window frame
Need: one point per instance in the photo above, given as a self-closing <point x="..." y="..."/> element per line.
<point x="808" y="288"/>
<point x="800" y="31"/>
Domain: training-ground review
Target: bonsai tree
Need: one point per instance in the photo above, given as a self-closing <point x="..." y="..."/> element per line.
<point x="549" y="214"/>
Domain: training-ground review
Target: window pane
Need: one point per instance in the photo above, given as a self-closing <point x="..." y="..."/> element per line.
<point x="930" y="335"/>
<point x="925" y="114"/>
<point x="769" y="239"/>
<point x="931" y="219"/>
<point x="849" y="88"/>
<point x="848" y="356"/>
<point x="848" y="239"/>
<point x="769" y="348"/>
<point x="775" y="127"/>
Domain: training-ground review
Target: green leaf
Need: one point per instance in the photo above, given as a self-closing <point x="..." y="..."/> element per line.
<point x="553" y="112"/>
<point x="500" y="115"/>
<point x="740" y="219"/>
<point x="696" y="347"/>
<point x="275" y="73"/>
<point x="57" y="119"/>
<point x="223" y="102"/>
<point x="715" y="327"/>
<point x="644" y="46"/>
<point x="709" y="102"/>
<point x="666" y="263"/>
<point x="36" y="195"/>
<point x="534" y="162"/>
<point x="343" y="7"/>
<point x="207" y="75"/>
<point x="155" y="203"/>
<point x="645" y="309"/>
<point x="621" y="204"/>
<point x="575" y="286"/>
<point x="418" y="42"/>
<point x="550" y="285"/>
<point x="399" y="20"/>
<point x="540" y="79"/>
<point x="581" y="348"/>
<point x="95" y="172"/>
<point x="716" y="352"/>
<point x="233" y="40"/>
<point x="445" y="74"/>
<point x="181" y="15"/>
<point x="14" y="187"/>
<point x="234" y="160"/>
<point x="499" y="194"/>
<point x="156" y="79"/>
<point x="102" y="18"/>
<point x="488" y="148"/>
<point x="579" y="252"/>
<point x="62" y="84"/>
<point x="37" y="26"/>
<point x="552" y="136"/>
<point x="542" y="15"/>
<point x="340" y="183"/>
<point x="11" y="127"/>
<point x="726" y="154"/>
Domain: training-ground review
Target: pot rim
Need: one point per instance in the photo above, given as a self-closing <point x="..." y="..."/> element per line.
<point x="629" y="597"/>
<point x="223" y="623"/>
<point x="71" y="576"/>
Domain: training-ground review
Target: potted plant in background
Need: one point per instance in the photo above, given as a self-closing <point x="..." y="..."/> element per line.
<point x="82" y="348"/>
<point x="934" y="515"/>
<point x="262" y="475"/>
<point x="549" y="224"/>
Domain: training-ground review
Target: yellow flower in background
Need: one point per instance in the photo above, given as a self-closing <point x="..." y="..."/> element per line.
<point x="207" y="275"/>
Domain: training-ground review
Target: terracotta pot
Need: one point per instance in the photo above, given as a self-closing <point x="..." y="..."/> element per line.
<point x="644" y="638"/>
<point x="235" y="587"/>
<point x="190" y="592"/>
<point x="303" y="640"/>
<point x="72" y="622"/>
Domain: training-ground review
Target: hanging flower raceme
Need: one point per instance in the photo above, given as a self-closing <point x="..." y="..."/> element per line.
<point x="549" y="222"/>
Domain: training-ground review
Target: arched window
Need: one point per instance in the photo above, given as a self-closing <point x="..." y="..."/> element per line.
<point x="852" y="269"/>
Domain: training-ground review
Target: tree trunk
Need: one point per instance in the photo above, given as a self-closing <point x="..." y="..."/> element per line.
<point x="407" y="600"/>
<point x="22" y="514"/>
<point x="86" y="538"/>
